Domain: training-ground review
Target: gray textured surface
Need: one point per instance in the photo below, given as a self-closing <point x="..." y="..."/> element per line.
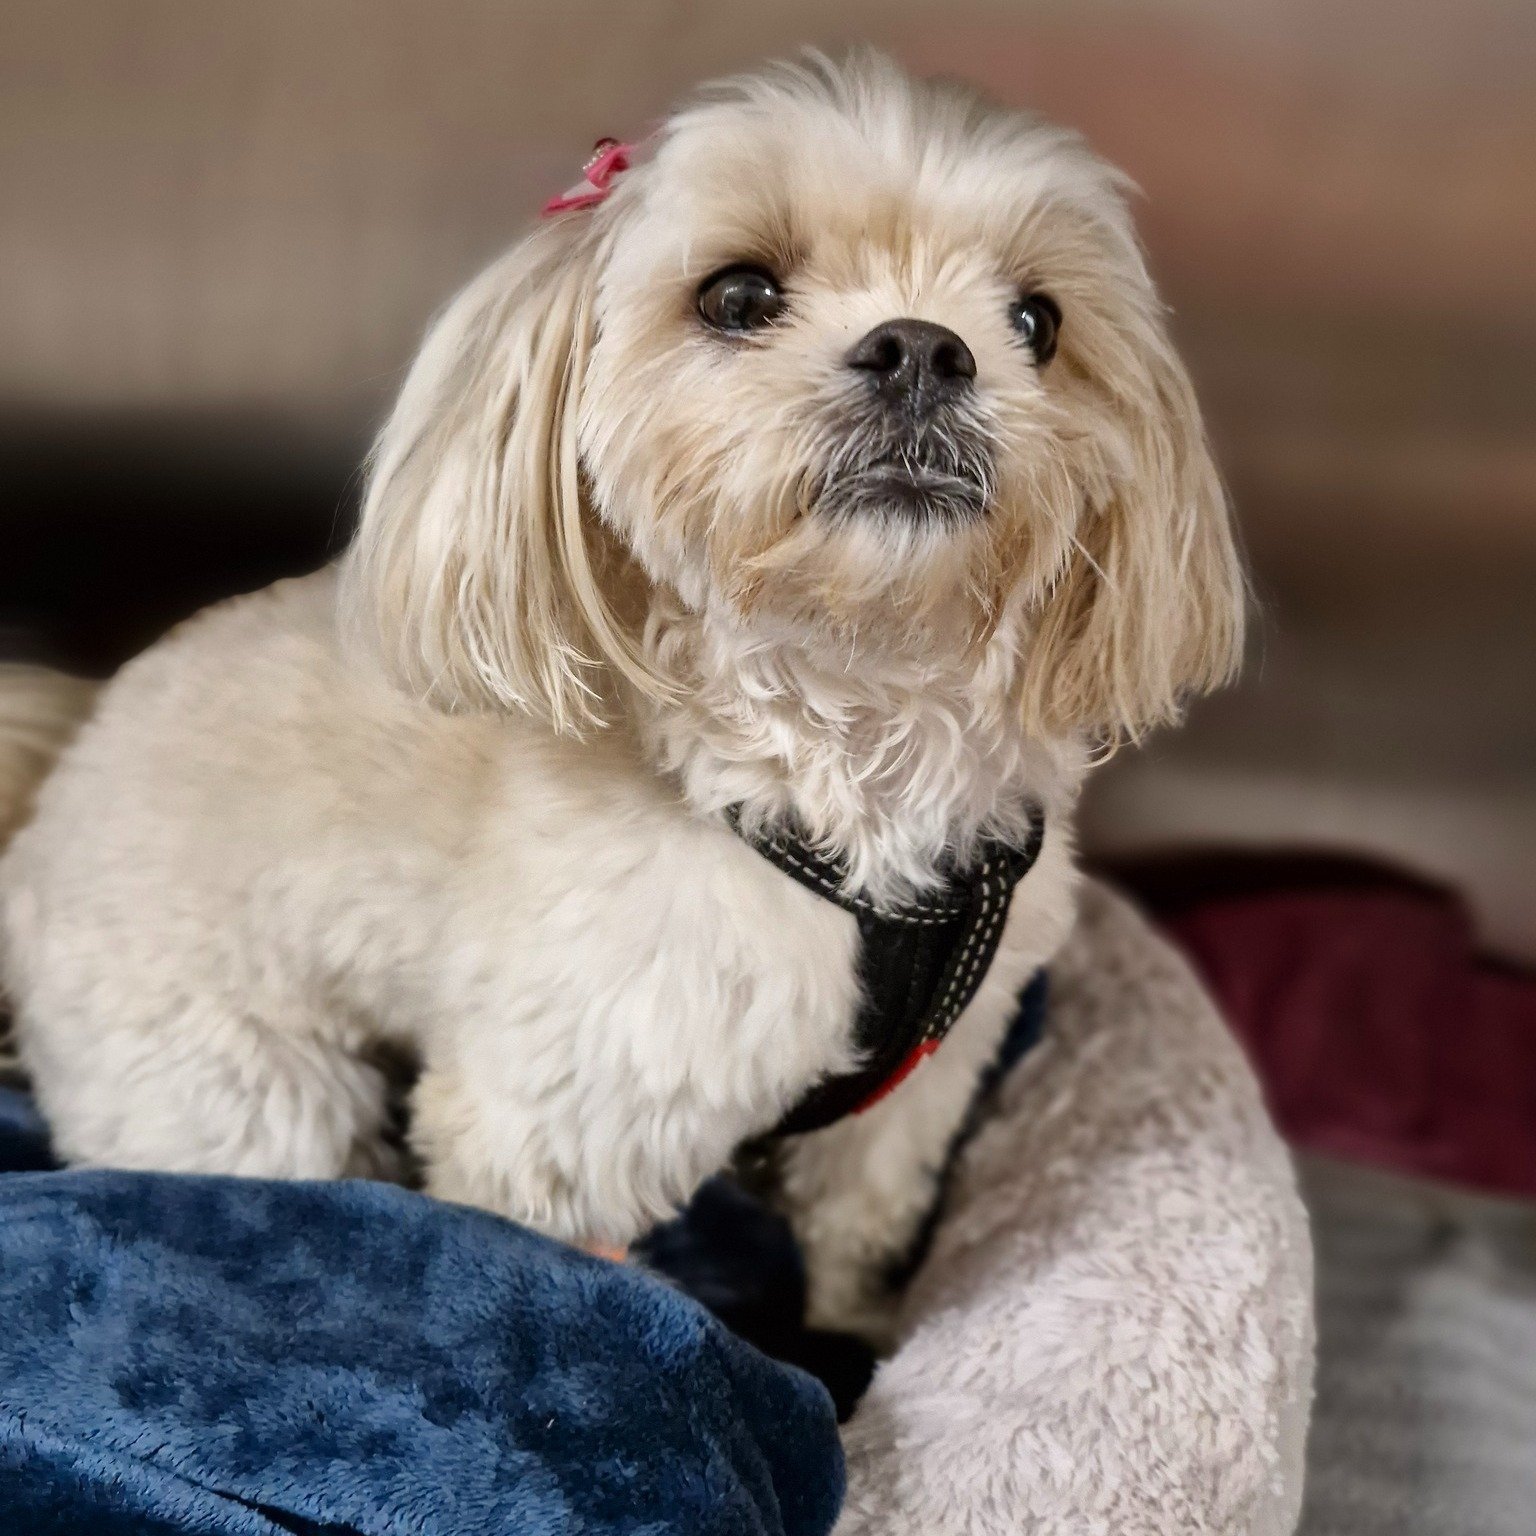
<point x="1425" y="1418"/>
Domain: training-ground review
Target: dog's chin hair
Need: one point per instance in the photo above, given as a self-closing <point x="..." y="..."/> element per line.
<point x="941" y="472"/>
<point x="934" y="507"/>
<point x="868" y="590"/>
<point x="884" y="541"/>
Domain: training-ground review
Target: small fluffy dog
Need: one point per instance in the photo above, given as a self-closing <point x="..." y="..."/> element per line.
<point x="833" y="477"/>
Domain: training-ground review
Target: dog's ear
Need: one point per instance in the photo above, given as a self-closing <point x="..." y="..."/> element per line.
<point x="472" y="576"/>
<point x="1149" y="607"/>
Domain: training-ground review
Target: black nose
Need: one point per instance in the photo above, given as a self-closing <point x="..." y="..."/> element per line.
<point x="914" y="361"/>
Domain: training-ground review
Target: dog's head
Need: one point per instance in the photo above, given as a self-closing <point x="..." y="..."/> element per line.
<point x="847" y="363"/>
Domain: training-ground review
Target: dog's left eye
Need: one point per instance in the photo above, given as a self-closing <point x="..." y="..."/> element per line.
<point x="1037" y="319"/>
<point x="740" y="299"/>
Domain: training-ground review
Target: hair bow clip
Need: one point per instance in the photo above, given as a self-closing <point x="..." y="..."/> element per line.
<point x="609" y="158"/>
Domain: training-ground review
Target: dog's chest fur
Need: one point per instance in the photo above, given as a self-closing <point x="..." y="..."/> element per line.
<point x="662" y="982"/>
<point x="647" y="930"/>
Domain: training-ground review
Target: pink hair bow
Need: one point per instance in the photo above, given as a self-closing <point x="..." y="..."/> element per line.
<point x="609" y="158"/>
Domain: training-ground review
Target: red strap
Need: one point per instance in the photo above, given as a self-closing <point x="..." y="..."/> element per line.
<point x="914" y="1059"/>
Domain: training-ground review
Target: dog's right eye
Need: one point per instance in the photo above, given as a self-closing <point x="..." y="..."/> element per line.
<point x="740" y="299"/>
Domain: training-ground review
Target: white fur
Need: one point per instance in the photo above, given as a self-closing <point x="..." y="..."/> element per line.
<point x="465" y="796"/>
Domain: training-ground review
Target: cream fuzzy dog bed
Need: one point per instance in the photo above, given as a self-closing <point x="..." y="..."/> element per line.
<point x="1113" y="1331"/>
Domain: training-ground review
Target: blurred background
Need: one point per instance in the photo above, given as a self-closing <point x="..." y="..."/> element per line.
<point x="223" y="228"/>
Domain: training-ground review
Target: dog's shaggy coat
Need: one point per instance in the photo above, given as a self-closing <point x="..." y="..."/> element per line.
<point x="617" y="571"/>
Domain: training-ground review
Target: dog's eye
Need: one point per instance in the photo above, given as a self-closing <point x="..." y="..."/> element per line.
<point x="740" y="299"/>
<point x="1037" y="319"/>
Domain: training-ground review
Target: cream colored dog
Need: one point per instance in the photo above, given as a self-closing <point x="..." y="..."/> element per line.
<point x="836" y="470"/>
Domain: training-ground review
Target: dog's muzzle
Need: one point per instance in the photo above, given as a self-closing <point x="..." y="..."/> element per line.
<point x="937" y="470"/>
<point x="911" y="445"/>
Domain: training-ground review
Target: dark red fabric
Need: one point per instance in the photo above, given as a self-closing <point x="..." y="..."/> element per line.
<point x="1380" y="1032"/>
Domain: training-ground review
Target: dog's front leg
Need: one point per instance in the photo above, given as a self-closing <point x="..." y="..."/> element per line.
<point x="589" y="1162"/>
<point x="592" y="1086"/>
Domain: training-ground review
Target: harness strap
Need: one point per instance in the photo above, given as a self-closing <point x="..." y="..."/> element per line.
<point x="920" y="963"/>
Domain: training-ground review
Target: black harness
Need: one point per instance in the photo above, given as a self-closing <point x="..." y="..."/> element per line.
<point x="919" y="963"/>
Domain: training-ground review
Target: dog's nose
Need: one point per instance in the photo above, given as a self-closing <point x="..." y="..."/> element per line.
<point x="914" y="361"/>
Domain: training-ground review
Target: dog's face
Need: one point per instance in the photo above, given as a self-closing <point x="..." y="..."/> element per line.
<point x="835" y="381"/>
<point x="849" y="362"/>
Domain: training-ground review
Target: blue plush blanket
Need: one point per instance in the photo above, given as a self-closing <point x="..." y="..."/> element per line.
<point x="205" y="1355"/>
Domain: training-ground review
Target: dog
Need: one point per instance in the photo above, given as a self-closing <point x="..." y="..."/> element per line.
<point x="819" y="477"/>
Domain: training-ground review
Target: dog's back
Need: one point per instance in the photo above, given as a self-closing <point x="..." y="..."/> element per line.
<point x="39" y="713"/>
